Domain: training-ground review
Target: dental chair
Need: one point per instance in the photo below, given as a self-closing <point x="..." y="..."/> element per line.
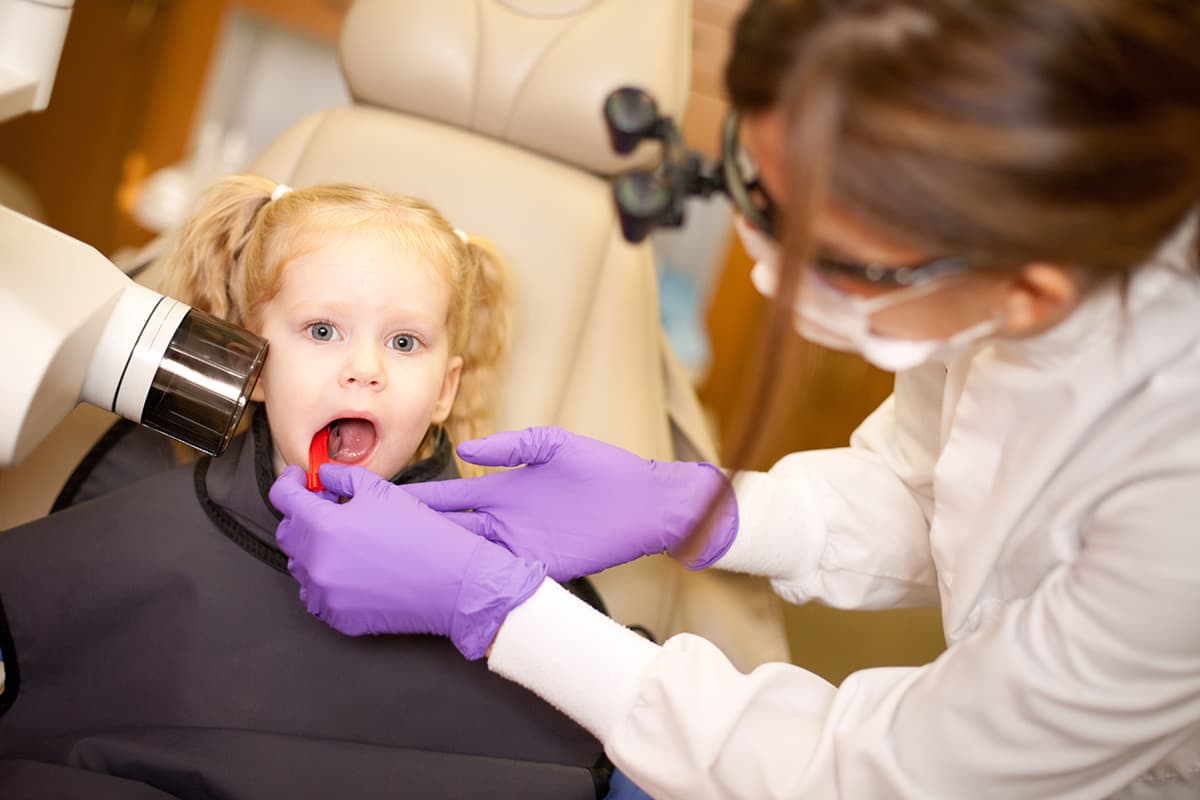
<point x="491" y="110"/>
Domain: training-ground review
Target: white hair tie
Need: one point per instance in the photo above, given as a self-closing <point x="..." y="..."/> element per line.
<point x="461" y="234"/>
<point x="279" y="191"/>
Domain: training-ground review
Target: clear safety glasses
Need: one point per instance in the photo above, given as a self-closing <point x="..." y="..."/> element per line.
<point x="752" y="202"/>
<point x="824" y="271"/>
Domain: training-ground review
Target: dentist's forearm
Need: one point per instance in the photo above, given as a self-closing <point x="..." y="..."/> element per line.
<point x="580" y="661"/>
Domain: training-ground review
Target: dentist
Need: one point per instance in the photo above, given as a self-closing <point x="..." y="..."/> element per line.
<point x="997" y="201"/>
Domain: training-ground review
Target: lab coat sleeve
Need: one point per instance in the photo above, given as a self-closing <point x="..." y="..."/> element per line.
<point x="1069" y="693"/>
<point x="849" y="527"/>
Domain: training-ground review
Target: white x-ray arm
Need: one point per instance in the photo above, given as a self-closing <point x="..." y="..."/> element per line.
<point x="31" y="40"/>
<point x="77" y="329"/>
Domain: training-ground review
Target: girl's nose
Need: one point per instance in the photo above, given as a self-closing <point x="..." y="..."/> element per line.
<point x="364" y="367"/>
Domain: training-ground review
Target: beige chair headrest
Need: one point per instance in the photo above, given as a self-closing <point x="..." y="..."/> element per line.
<point x="532" y="73"/>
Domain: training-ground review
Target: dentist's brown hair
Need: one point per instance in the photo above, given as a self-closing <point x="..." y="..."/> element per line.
<point x="1018" y="131"/>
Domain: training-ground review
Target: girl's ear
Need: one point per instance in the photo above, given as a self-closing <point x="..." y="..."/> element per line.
<point x="449" y="390"/>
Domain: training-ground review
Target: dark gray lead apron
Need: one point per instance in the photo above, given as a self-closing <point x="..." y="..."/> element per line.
<point x="155" y="644"/>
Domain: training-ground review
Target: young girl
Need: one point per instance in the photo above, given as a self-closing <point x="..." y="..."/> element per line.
<point x="151" y="633"/>
<point x="384" y="321"/>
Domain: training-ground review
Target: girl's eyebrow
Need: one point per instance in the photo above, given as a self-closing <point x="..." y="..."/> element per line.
<point x="419" y="316"/>
<point x="307" y="303"/>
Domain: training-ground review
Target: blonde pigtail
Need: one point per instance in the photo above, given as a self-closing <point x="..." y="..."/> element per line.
<point x="205" y="262"/>
<point x="483" y="344"/>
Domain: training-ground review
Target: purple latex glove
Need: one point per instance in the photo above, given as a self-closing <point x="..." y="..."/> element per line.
<point x="581" y="506"/>
<point x="383" y="562"/>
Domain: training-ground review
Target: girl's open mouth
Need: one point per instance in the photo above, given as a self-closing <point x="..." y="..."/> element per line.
<point x="351" y="440"/>
<point x="348" y="440"/>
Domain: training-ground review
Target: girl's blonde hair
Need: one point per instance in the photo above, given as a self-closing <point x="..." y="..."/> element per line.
<point x="229" y="258"/>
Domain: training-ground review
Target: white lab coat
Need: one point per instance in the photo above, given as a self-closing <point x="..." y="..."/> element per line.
<point x="1046" y="492"/>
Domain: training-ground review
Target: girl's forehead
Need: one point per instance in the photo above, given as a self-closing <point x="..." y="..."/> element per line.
<point x="363" y="252"/>
<point x="368" y="265"/>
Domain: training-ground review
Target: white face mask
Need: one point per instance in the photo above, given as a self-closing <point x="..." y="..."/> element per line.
<point x="841" y="321"/>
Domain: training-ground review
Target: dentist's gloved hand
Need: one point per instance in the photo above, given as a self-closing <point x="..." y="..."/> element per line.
<point x="383" y="562"/>
<point x="581" y="506"/>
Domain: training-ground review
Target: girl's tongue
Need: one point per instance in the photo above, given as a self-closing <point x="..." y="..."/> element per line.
<point x="346" y="440"/>
<point x="350" y="440"/>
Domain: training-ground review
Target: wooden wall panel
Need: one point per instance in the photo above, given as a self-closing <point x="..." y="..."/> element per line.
<point x="71" y="154"/>
<point x="712" y="22"/>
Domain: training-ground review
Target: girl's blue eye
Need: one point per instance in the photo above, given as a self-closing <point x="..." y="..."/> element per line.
<point x="404" y="342"/>
<point x="322" y="332"/>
